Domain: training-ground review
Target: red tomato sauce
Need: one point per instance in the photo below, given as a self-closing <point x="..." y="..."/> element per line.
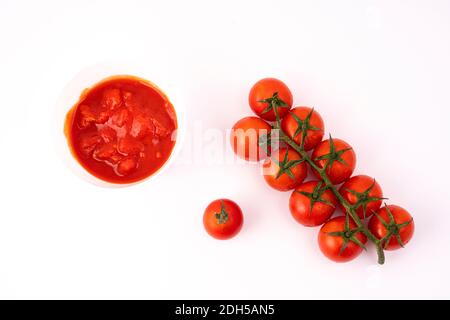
<point x="122" y="130"/>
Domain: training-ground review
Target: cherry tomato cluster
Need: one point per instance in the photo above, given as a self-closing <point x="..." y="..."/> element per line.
<point x="289" y="141"/>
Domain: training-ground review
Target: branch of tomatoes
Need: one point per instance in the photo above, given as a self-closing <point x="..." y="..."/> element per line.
<point x="350" y="209"/>
<point x="285" y="145"/>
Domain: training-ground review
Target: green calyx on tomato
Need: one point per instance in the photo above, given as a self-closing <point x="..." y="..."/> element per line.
<point x="222" y="216"/>
<point x="316" y="196"/>
<point x="363" y="198"/>
<point x="303" y="126"/>
<point x="286" y="165"/>
<point x="347" y="235"/>
<point x="333" y="155"/>
<point x="393" y="228"/>
<point x="274" y="103"/>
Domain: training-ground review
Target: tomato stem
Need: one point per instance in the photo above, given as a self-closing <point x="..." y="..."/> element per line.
<point x="351" y="210"/>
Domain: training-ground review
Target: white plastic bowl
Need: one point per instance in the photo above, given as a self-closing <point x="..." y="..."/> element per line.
<point x="159" y="74"/>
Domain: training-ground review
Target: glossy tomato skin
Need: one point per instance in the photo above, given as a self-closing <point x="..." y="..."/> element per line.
<point x="300" y="205"/>
<point x="284" y="182"/>
<point x="265" y="88"/>
<point x="331" y="245"/>
<point x="290" y="126"/>
<point x="338" y="172"/>
<point x="361" y="183"/>
<point x="229" y="226"/>
<point x="400" y="216"/>
<point x="245" y="137"/>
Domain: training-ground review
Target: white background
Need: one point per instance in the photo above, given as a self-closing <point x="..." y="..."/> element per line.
<point x="377" y="71"/>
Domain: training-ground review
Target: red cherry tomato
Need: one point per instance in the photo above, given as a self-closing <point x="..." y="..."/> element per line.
<point x="339" y="244"/>
<point x="284" y="170"/>
<point x="339" y="156"/>
<point x="245" y="138"/>
<point x="223" y="219"/>
<point x="364" y="192"/>
<point x="312" y="203"/>
<point x="393" y="224"/>
<point x="269" y="94"/>
<point x="304" y="118"/>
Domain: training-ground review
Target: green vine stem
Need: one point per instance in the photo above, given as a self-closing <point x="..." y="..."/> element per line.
<point x="322" y="172"/>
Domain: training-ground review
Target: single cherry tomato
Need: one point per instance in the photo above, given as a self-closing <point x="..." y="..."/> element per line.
<point x="340" y="241"/>
<point x="364" y="193"/>
<point x="339" y="158"/>
<point x="267" y="95"/>
<point x="304" y="120"/>
<point x="223" y="219"/>
<point x="312" y="203"/>
<point x="284" y="169"/>
<point x="394" y="225"/>
<point x="246" y="135"/>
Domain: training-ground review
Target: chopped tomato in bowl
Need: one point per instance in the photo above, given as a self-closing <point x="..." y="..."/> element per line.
<point x="122" y="130"/>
